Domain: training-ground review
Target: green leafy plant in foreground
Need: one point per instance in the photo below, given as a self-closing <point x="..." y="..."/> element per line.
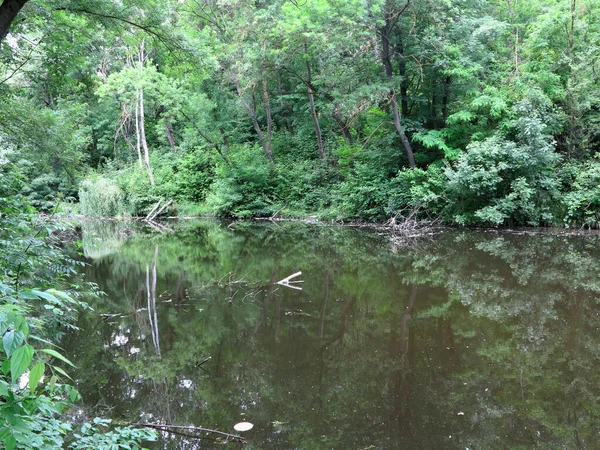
<point x="32" y="399"/>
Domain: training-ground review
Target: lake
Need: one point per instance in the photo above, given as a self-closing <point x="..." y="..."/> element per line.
<point x="462" y="340"/>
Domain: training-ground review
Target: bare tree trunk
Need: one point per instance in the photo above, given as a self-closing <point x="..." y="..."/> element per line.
<point x="8" y="12"/>
<point x="142" y="127"/>
<point x="446" y="87"/>
<point x="143" y="137"/>
<point x="405" y="142"/>
<point x="137" y="131"/>
<point x="387" y="64"/>
<point x="169" y="133"/>
<point x="403" y="80"/>
<point x="313" y="110"/>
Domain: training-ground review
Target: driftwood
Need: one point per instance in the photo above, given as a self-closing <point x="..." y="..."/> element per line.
<point x="153" y="209"/>
<point x="176" y="428"/>
<point x="153" y="214"/>
<point x="165" y="206"/>
<point x="286" y="281"/>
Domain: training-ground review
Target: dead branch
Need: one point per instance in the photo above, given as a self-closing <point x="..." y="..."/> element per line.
<point x="168" y="428"/>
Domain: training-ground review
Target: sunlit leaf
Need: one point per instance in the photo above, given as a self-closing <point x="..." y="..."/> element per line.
<point x="11" y="341"/>
<point x="36" y="374"/>
<point x="20" y="361"/>
<point x="57" y="355"/>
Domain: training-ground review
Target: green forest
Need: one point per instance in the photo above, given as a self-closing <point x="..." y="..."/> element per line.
<point x="472" y="112"/>
<point x="469" y="113"/>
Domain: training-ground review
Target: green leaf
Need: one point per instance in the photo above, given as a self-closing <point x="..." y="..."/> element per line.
<point x="6" y="367"/>
<point x="57" y="355"/>
<point x="27" y="295"/>
<point x="4" y="324"/>
<point x="52" y="381"/>
<point x="11" y="341"/>
<point x="46" y="296"/>
<point x="62" y="372"/>
<point x="10" y="443"/>
<point x="20" y="360"/>
<point x="36" y="374"/>
<point x="3" y="391"/>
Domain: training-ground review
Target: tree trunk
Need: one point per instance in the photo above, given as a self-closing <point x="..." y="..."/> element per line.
<point x="143" y="137"/>
<point x="313" y="110"/>
<point x="446" y="87"/>
<point x="268" y="148"/>
<point x="387" y="64"/>
<point x="252" y="113"/>
<point x="169" y="133"/>
<point x="141" y="118"/>
<point x="405" y="142"/>
<point x="8" y="12"/>
<point x="403" y="80"/>
<point x="137" y="131"/>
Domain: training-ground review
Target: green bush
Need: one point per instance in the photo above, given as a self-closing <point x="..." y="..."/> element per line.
<point x="507" y="179"/>
<point x="101" y="197"/>
<point x="364" y="193"/>
<point x="44" y="191"/>
<point x="246" y="187"/>
<point x="582" y="201"/>
<point x="420" y="189"/>
<point x="194" y="174"/>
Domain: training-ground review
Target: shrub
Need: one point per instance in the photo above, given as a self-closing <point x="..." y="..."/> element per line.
<point x="505" y="181"/>
<point x="583" y="200"/>
<point x="101" y="197"/>
<point x="419" y="189"/>
<point x="246" y="187"/>
<point x="194" y="175"/>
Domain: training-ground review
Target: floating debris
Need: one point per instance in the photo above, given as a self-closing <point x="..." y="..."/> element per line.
<point x="243" y="426"/>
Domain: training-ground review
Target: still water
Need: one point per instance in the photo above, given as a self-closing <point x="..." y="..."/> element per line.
<point x="464" y="340"/>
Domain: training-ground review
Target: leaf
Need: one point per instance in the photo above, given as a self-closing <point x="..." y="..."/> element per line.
<point x="36" y="374"/>
<point x="46" y="296"/>
<point x="62" y="372"/>
<point x="11" y="341"/>
<point x="20" y="360"/>
<point x="61" y="296"/>
<point x="27" y="295"/>
<point x="3" y="324"/>
<point x="10" y="443"/>
<point x="57" y="355"/>
<point x="3" y="391"/>
<point x="6" y="367"/>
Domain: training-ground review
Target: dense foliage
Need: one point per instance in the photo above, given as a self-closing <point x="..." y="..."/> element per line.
<point x="476" y="112"/>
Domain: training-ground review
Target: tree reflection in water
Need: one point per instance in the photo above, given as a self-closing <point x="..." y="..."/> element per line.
<point x="471" y="339"/>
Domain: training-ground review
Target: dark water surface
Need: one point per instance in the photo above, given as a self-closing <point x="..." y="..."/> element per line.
<point x="468" y="340"/>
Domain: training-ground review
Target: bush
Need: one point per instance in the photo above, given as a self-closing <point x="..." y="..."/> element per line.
<point x="507" y="181"/>
<point x="247" y="187"/>
<point x="419" y="189"/>
<point x="364" y="193"/>
<point x="583" y="200"/>
<point x="44" y="191"/>
<point x="194" y="175"/>
<point x="101" y="197"/>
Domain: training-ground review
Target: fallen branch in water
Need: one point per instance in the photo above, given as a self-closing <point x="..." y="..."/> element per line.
<point x="168" y="428"/>
<point x="153" y="215"/>
<point x="286" y="281"/>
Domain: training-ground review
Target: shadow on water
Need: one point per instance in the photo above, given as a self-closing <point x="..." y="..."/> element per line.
<point x="469" y="340"/>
